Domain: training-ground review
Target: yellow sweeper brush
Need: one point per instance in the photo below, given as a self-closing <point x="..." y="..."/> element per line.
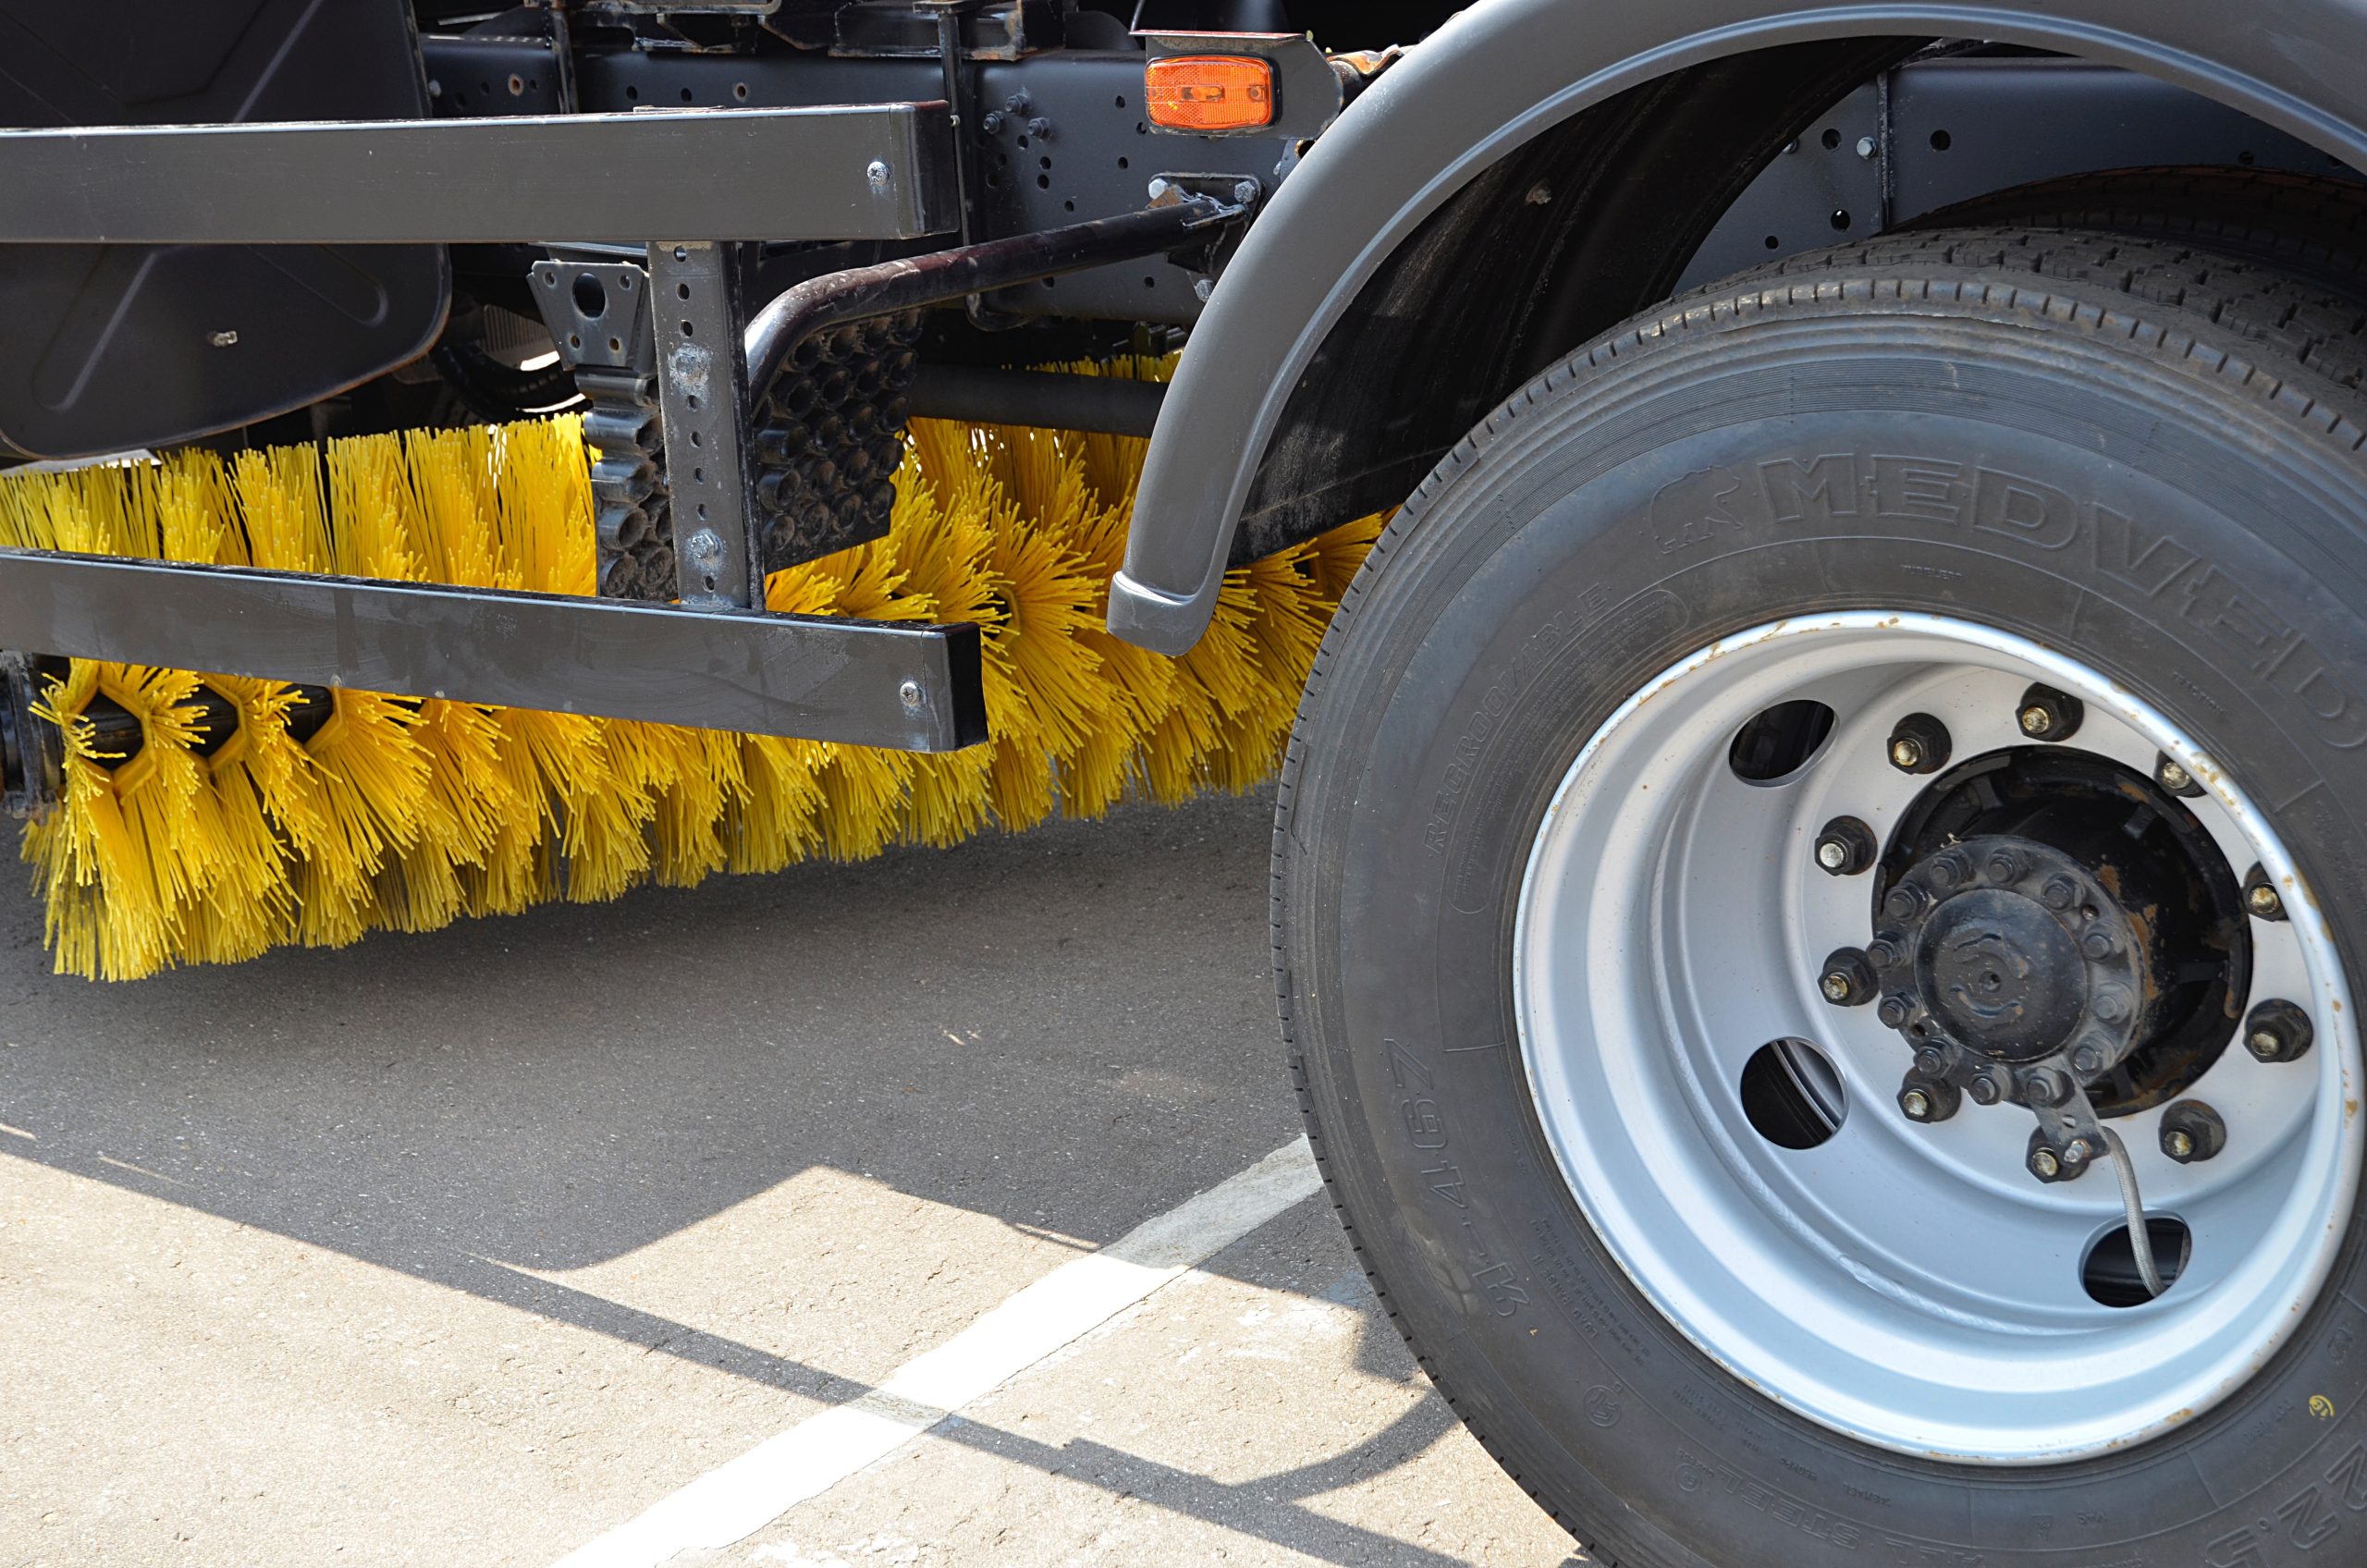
<point x="205" y="817"/>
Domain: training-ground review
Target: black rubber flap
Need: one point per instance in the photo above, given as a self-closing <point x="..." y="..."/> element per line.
<point x="105" y="348"/>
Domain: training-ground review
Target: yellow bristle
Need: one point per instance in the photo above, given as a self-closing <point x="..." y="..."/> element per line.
<point x="407" y="813"/>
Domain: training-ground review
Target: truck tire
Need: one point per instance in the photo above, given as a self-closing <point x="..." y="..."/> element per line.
<point x="2311" y="227"/>
<point x="2084" y="519"/>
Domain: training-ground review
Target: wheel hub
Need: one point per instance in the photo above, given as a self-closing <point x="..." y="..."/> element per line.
<point x="2002" y="949"/>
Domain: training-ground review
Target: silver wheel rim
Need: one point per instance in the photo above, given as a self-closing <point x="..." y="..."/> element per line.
<point x="1908" y="1286"/>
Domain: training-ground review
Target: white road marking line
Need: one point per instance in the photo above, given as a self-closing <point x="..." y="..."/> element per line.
<point x="741" y="1496"/>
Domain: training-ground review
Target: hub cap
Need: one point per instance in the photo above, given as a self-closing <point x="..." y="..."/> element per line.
<point x="1852" y="1180"/>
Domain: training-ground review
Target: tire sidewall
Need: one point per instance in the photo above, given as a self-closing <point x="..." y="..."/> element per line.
<point x="2163" y="522"/>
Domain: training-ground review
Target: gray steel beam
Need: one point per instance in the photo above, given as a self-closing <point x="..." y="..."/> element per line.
<point x="871" y="683"/>
<point x="873" y="171"/>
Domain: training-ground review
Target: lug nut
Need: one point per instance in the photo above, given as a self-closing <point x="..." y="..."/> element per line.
<point x="2192" y="1130"/>
<point x="2171" y="775"/>
<point x="2111" y="1004"/>
<point x="1950" y="869"/>
<point x="2098" y="944"/>
<point x="2278" y="1031"/>
<point x="2059" y="893"/>
<point x="1844" y="846"/>
<point x="1887" y="950"/>
<point x="1929" y="1100"/>
<point x="2005" y="865"/>
<point x="2261" y="896"/>
<point x="1920" y="744"/>
<point x="1988" y="1087"/>
<point x="2046" y="1086"/>
<point x="1932" y="1062"/>
<point x="1905" y="901"/>
<point x="1896" y="1009"/>
<point x="2046" y="714"/>
<point x="1847" y="979"/>
<point x="2087" y="1061"/>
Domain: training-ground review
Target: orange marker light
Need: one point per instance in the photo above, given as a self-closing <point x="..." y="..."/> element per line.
<point x="1208" y="92"/>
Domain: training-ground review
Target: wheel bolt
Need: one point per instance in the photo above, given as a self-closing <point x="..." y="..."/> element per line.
<point x="1932" y="1062"/>
<point x="2045" y="1166"/>
<point x="2046" y="1086"/>
<point x="2191" y="1131"/>
<point x="1950" y="870"/>
<point x="2278" y="1031"/>
<point x="1844" y="846"/>
<point x="1920" y="744"/>
<point x="2060" y="892"/>
<point x="1896" y="1011"/>
<point x="1935" y="1101"/>
<point x="2046" y="714"/>
<point x="1987" y="1088"/>
<point x="1886" y="950"/>
<point x="2112" y="1004"/>
<point x="2098" y="944"/>
<point x="2005" y="865"/>
<point x="2087" y="1061"/>
<point x="1847" y="979"/>
<point x="1905" y="901"/>
<point x="2172" y="775"/>
<point x="2262" y="898"/>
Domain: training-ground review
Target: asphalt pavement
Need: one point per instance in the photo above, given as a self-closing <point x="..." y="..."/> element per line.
<point x="571" y="1233"/>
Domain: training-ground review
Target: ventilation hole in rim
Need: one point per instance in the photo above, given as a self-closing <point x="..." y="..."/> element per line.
<point x="1791" y="1095"/>
<point x="1778" y="742"/>
<point x="2110" y="1273"/>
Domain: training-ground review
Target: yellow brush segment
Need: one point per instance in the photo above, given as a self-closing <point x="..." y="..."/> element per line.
<point x="404" y="813"/>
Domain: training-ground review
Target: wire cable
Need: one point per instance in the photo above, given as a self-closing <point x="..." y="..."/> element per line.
<point x="2140" y="1239"/>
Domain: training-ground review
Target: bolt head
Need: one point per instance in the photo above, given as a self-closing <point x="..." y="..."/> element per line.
<point x="1866" y="146"/>
<point x="1917" y="1104"/>
<point x="2045" y="1166"/>
<point x="1895" y="1011"/>
<point x="877" y="173"/>
<point x="2262" y="901"/>
<point x="2076" y="1152"/>
<point x="1832" y="854"/>
<point x="2179" y="1143"/>
<point x="1986" y="1090"/>
<point x="1835" y="987"/>
<point x="2098" y="944"/>
<point x="2112" y="1004"/>
<point x="225" y="338"/>
<point x="2060" y="892"/>
<point x="1204" y="289"/>
<point x="1905" y="902"/>
<point x="1932" y="1062"/>
<point x="2263" y="1043"/>
<point x="2087" y="1061"/>
<point x="1907" y="753"/>
<point x="2172" y="776"/>
<point x="2036" y="720"/>
<point x="2005" y="865"/>
<point x="909" y="694"/>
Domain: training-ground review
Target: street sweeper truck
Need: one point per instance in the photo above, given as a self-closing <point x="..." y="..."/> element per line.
<point x="1802" y="566"/>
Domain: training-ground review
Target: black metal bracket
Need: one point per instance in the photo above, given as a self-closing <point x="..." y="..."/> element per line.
<point x="703" y="388"/>
<point x="867" y="683"/>
<point x="872" y="171"/>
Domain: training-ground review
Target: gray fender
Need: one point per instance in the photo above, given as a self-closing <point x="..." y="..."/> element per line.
<point x="1501" y="72"/>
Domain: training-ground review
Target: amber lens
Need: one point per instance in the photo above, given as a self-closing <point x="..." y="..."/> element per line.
<point x="1209" y="92"/>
